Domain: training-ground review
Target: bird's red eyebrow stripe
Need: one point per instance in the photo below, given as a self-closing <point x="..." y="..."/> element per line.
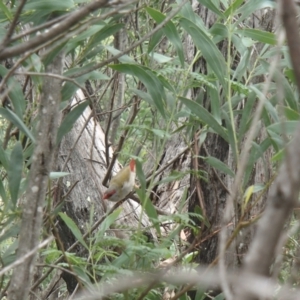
<point x="132" y="165"/>
<point x="108" y="195"/>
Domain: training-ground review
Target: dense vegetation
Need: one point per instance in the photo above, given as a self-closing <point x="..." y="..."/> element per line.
<point x="163" y="80"/>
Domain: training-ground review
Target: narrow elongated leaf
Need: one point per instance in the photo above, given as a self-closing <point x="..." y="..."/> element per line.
<point x="209" y="50"/>
<point x="70" y="88"/>
<point x="150" y="210"/>
<point x="210" y="5"/>
<point x="259" y="35"/>
<point x="109" y="220"/>
<point x="10" y="232"/>
<point x="55" y="175"/>
<point x="249" y="7"/>
<point x="3" y="193"/>
<point x="6" y="11"/>
<point x="205" y="117"/>
<point x="219" y="165"/>
<point x="160" y="58"/>
<point x="15" y="93"/>
<point x="15" y="172"/>
<point x="155" y="39"/>
<point x="170" y="31"/>
<point x="73" y="227"/>
<point x="69" y="120"/>
<point x="12" y="117"/>
<point x="152" y="83"/>
<point x="290" y="113"/>
<point x="51" y="6"/>
<point x="141" y="176"/>
<point x="125" y="59"/>
<point x="215" y="103"/>
<point x="104" y="33"/>
<point x="233" y="7"/>
<point x="4" y="158"/>
<point x="246" y="115"/>
<point x="284" y="127"/>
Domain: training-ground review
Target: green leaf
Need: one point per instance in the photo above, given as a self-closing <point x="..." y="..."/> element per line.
<point x="74" y="42"/>
<point x="155" y="39"/>
<point x="12" y="117"/>
<point x="10" y="232"/>
<point x="284" y="127"/>
<point x="233" y="7"/>
<point x="55" y="175"/>
<point x="170" y="31"/>
<point x="220" y="297"/>
<point x="161" y="59"/>
<point x="150" y="80"/>
<point x="15" y="172"/>
<point x="3" y="193"/>
<point x="205" y="117"/>
<point x="249" y="7"/>
<point x="219" y="165"/>
<point x="6" y="11"/>
<point x="209" y="50"/>
<point x="73" y="227"/>
<point x="246" y="116"/>
<point x="210" y="5"/>
<point x="291" y="114"/>
<point x="51" y="6"/>
<point x="83" y="275"/>
<point x="69" y="120"/>
<point x="4" y="158"/>
<point x="259" y="35"/>
<point x="15" y="93"/>
<point x="104" y="33"/>
<point x="126" y="59"/>
<point x="150" y="210"/>
<point x="70" y="88"/>
<point x="110" y="219"/>
<point x="140" y="175"/>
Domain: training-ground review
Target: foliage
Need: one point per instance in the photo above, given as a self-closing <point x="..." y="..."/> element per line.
<point x="158" y="80"/>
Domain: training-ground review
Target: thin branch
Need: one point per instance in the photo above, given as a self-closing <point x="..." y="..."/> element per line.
<point x="143" y="39"/>
<point x="64" y="25"/>
<point x="12" y="26"/>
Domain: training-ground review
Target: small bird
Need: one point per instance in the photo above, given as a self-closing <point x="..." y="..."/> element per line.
<point x="121" y="184"/>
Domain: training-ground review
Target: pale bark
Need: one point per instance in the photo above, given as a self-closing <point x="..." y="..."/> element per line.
<point x="38" y="181"/>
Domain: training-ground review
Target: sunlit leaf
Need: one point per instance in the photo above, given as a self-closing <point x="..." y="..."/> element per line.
<point x="55" y="175"/>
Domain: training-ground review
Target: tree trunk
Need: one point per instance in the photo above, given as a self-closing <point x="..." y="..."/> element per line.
<point x="81" y="192"/>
